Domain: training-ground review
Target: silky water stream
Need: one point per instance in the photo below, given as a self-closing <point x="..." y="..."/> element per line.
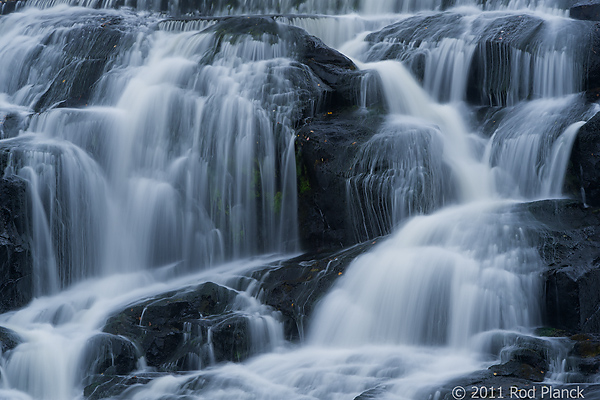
<point x="177" y="167"/>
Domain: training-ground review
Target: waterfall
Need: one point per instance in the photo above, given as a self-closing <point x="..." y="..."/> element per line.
<point x="159" y="143"/>
<point x="372" y="7"/>
<point x="184" y="154"/>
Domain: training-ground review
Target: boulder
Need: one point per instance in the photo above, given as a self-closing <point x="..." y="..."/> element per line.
<point x="294" y="287"/>
<point x="524" y="364"/>
<point x="185" y="329"/>
<point x="108" y="355"/>
<point x="586" y="354"/>
<point x="11" y="123"/>
<point x="9" y="339"/>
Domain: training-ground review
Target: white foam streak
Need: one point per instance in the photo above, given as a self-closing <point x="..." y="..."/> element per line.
<point x="439" y="280"/>
<point x="405" y="97"/>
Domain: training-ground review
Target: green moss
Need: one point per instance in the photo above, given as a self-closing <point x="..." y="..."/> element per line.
<point x="277" y="202"/>
<point x="302" y="174"/>
<point x="304" y="185"/>
<point x="547" y="331"/>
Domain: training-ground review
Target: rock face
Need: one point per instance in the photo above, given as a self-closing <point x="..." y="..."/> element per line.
<point x="325" y="151"/>
<point x="8" y="339"/>
<point x="172" y="330"/>
<point x="584" y="170"/>
<point x="570" y="246"/>
<point x="586" y="10"/>
<point x="16" y="265"/>
<point x="592" y="64"/>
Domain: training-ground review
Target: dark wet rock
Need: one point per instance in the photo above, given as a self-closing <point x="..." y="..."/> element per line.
<point x="521" y="356"/>
<point x="326" y="147"/>
<point x="16" y="263"/>
<point x="586" y="345"/>
<point x="570" y="246"/>
<point x="9" y="339"/>
<point x="586" y="10"/>
<point x="583" y="176"/>
<point x="90" y="45"/>
<point x="9" y="6"/>
<point x="109" y="355"/>
<point x="171" y="330"/>
<point x="524" y="364"/>
<point x="294" y="286"/>
<point x="503" y="344"/>
<point x="592" y="63"/>
<point x="333" y="68"/>
<point x="11" y="123"/>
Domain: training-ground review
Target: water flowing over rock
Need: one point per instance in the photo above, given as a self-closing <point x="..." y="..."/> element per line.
<point x="171" y="329"/>
<point x="298" y="199"/>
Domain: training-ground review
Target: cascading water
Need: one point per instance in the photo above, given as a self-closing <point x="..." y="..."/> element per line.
<point x="156" y="150"/>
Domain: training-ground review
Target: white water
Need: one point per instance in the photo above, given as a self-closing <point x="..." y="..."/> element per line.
<point x="174" y="164"/>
